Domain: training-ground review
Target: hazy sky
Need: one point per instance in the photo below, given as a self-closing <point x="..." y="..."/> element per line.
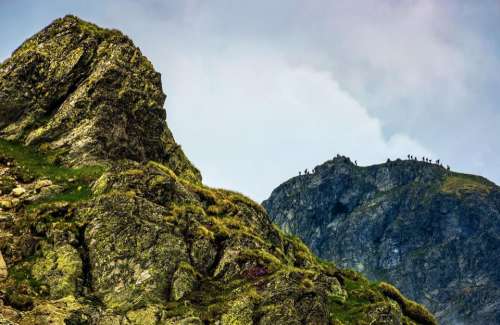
<point x="258" y="90"/>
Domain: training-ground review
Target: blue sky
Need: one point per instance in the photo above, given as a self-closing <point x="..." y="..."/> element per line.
<point x="258" y="90"/>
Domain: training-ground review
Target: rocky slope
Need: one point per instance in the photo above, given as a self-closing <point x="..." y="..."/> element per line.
<point x="103" y="219"/>
<point x="434" y="233"/>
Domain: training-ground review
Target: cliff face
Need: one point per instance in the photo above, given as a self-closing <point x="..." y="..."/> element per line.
<point x="103" y="220"/>
<point x="433" y="233"/>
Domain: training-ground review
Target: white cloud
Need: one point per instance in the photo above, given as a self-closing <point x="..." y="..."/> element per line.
<point x="250" y="120"/>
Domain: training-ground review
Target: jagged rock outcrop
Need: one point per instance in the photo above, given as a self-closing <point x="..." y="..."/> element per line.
<point x="432" y="232"/>
<point x="86" y="94"/>
<point x="104" y="221"/>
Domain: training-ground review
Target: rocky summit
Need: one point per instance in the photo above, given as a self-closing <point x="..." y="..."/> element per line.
<point x="432" y="232"/>
<point x="86" y="94"/>
<point x="103" y="220"/>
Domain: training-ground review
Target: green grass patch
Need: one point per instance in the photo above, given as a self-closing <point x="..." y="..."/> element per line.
<point x="30" y="164"/>
<point x="36" y="164"/>
<point x="362" y="295"/>
<point x="460" y="183"/>
<point x="72" y="194"/>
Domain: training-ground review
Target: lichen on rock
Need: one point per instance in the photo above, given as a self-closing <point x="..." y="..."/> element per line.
<point x="60" y="268"/>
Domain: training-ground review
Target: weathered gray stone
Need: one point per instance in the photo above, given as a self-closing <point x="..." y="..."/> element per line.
<point x="431" y="232"/>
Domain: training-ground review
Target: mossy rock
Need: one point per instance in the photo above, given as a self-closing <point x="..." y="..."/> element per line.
<point x="183" y="282"/>
<point x="413" y="310"/>
<point x="240" y="312"/>
<point x="203" y="254"/>
<point x="144" y="316"/>
<point x="61" y="269"/>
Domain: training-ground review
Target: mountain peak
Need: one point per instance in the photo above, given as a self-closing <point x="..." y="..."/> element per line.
<point x="409" y="222"/>
<point x="88" y="94"/>
<point x="401" y="171"/>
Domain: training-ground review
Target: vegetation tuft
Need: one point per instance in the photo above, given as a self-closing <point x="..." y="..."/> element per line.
<point x="410" y="308"/>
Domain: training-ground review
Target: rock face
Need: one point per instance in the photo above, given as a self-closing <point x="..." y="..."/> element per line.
<point x="113" y="224"/>
<point x="433" y="233"/>
<point x="86" y="94"/>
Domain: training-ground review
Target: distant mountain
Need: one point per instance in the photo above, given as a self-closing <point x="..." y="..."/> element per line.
<point x="103" y="219"/>
<point x="432" y="232"/>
